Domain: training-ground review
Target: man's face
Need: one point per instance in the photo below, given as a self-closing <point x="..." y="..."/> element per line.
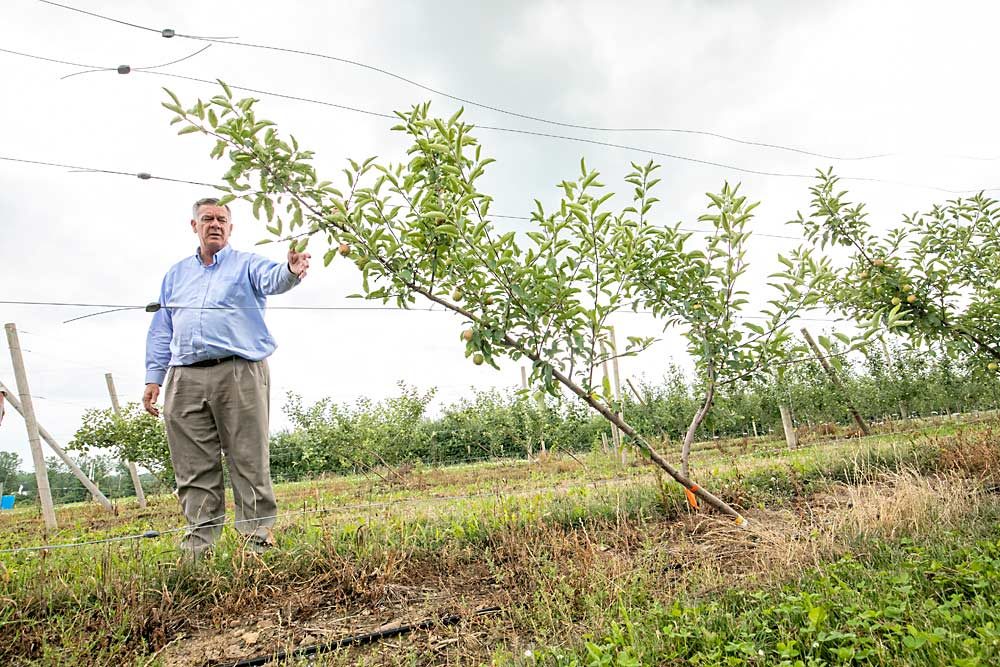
<point x="212" y="226"/>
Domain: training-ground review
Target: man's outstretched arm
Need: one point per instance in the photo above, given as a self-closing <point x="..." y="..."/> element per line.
<point x="274" y="278"/>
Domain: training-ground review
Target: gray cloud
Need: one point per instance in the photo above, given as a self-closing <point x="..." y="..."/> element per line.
<point x="844" y="78"/>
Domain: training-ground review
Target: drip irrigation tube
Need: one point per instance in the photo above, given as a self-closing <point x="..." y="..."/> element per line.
<point x="353" y="640"/>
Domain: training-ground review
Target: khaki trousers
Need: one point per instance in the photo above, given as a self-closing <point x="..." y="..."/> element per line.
<point x="210" y="412"/>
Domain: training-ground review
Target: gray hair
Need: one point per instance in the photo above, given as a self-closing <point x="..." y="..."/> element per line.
<point x="206" y="201"/>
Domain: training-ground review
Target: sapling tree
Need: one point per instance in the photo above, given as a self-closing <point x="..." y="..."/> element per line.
<point x="10" y="464"/>
<point x="935" y="278"/>
<point x="421" y="230"/>
<point x="702" y="289"/>
<point x="134" y="435"/>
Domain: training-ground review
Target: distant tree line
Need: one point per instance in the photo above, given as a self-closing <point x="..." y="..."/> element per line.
<point x="335" y="438"/>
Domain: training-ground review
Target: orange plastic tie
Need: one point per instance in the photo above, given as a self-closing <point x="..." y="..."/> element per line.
<point x="692" y="499"/>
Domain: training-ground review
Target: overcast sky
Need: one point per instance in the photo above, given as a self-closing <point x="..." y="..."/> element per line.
<point x="838" y="78"/>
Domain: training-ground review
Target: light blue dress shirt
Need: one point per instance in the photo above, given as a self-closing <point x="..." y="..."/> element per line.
<point x="214" y="311"/>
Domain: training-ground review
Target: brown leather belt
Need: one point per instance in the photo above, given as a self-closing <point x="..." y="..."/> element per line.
<point x="213" y="362"/>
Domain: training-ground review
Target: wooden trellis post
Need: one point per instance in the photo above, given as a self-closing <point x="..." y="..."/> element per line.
<point x="635" y="391"/>
<point x="34" y="439"/>
<point x="836" y="382"/>
<point x="61" y="453"/>
<point x="139" y="494"/>
<point x="791" y="437"/>
<point x="27" y="411"/>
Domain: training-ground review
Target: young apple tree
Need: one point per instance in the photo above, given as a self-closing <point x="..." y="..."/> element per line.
<point x="935" y="278"/>
<point x="133" y="435"/>
<point x="422" y="230"/>
<point x="702" y="290"/>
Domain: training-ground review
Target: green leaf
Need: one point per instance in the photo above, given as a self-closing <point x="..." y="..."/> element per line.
<point x="174" y="97"/>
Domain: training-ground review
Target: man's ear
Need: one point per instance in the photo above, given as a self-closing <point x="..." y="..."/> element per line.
<point x="194" y="226"/>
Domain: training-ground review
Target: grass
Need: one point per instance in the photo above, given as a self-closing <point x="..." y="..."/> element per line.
<point x="595" y="565"/>
<point x="925" y="596"/>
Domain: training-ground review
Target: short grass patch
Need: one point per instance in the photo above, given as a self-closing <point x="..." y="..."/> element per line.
<point x="572" y="554"/>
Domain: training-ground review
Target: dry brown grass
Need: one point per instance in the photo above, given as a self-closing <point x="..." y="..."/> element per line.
<point x="347" y="599"/>
<point x="553" y="580"/>
<point x="556" y="582"/>
<point x="783" y="542"/>
<point x="973" y="453"/>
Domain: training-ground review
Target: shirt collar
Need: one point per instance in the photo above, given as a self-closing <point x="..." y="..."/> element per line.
<point x="219" y="256"/>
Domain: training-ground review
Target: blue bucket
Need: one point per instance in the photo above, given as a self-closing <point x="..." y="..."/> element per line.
<point x="6" y="502"/>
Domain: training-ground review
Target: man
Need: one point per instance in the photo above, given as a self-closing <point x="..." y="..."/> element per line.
<point x="209" y="343"/>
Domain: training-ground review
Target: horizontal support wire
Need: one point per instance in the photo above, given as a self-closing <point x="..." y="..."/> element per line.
<point x="234" y="42"/>
<point x="568" y="138"/>
<point x="221" y="521"/>
<point x="156" y="306"/>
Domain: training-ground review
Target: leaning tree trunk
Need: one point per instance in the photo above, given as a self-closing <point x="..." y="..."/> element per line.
<point x="657" y="458"/>
<point x="699" y="417"/>
<point x="681" y="477"/>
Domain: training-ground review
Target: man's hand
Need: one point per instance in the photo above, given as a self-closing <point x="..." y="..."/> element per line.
<point x="149" y="399"/>
<point x="298" y="262"/>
